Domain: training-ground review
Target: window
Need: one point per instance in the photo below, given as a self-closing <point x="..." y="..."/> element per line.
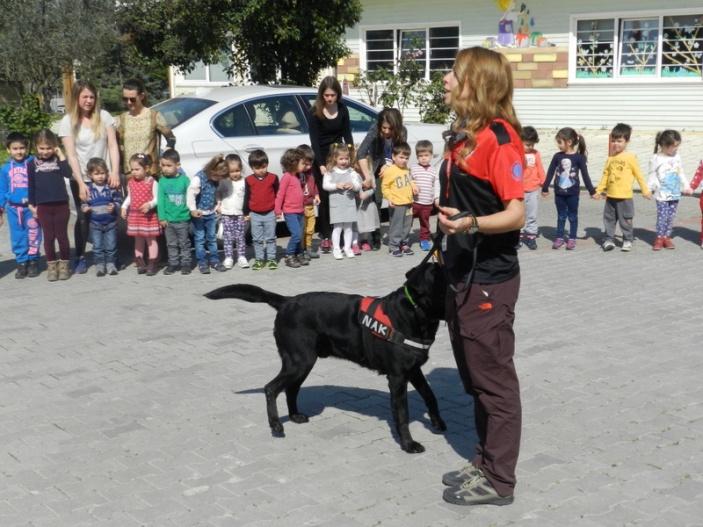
<point x="434" y="48"/>
<point x="643" y="46"/>
<point x="264" y="116"/>
<point x="216" y="73"/>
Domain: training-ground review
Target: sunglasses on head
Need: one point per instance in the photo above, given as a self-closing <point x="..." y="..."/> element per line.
<point x="130" y="99"/>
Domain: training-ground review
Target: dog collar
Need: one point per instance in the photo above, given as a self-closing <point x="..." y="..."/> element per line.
<point x="373" y="317"/>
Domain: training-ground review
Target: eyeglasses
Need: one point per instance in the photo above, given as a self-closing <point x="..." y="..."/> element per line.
<point x="129" y="99"/>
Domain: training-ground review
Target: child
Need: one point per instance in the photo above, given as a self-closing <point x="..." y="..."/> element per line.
<point x="138" y="210"/>
<point x="48" y="200"/>
<point x="230" y="201"/>
<point x="342" y="182"/>
<point x="173" y="213"/>
<point x="101" y="208"/>
<point x="399" y="190"/>
<point x="290" y="204"/>
<point x="564" y="168"/>
<point x="426" y="181"/>
<point x="25" y="234"/>
<point x="666" y="181"/>
<point x="621" y="170"/>
<point x="259" y="204"/>
<point x="697" y="178"/>
<point x="532" y="181"/>
<point x="367" y="218"/>
<point x="202" y="203"/>
<point x="311" y="198"/>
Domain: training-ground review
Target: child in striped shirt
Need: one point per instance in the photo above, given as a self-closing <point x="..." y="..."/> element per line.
<point x="425" y="178"/>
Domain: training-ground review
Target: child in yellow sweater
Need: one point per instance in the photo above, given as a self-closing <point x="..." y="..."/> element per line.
<point x="399" y="190"/>
<point x="621" y="170"/>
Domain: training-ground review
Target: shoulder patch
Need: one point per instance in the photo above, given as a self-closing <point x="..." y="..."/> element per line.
<point x="500" y="132"/>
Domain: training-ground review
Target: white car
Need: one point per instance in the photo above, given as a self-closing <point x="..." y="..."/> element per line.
<point x="240" y="119"/>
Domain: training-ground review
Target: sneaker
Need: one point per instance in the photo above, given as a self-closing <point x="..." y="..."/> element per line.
<point x="100" y="270"/>
<point x="171" y="269"/>
<point x="356" y="250"/>
<point x="111" y="269"/>
<point x="608" y="245"/>
<point x="365" y="246"/>
<point x="217" y="266"/>
<point x="292" y="261"/>
<point x="570" y="244"/>
<point x="668" y="244"/>
<point x="204" y="268"/>
<point x="21" y="270"/>
<point x="302" y="260"/>
<point x="531" y="243"/>
<point x="229" y="263"/>
<point x="312" y="254"/>
<point x="397" y="253"/>
<point x="258" y="265"/>
<point x="241" y="262"/>
<point x="475" y="491"/>
<point x="33" y="269"/>
<point x="425" y="245"/>
<point x="325" y="246"/>
<point x="407" y="251"/>
<point x="81" y="266"/>
<point x="350" y="253"/>
<point x="626" y="246"/>
<point x="558" y="243"/>
<point x="337" y="254"/>
<point x="457" y="478"/>
<point x="272" y="264"/>
<point x="185" y="270"/>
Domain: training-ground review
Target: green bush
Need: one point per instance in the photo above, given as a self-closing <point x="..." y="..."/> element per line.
<point x="26" y="118"/>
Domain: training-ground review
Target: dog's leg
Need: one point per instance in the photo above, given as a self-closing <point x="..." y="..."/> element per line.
<point x="399" y="405"/>
<point x="292" y="400"/>
<point x="419" y="382"/>
<point x="271" y="390"/>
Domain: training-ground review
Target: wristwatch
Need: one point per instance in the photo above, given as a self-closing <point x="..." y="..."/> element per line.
<point x="474" y="225"/>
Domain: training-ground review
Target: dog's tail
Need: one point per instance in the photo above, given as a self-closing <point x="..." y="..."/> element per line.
<point x="248" y="293"/>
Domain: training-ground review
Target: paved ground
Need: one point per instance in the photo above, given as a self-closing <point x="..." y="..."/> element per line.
<point x="135" y="401"/>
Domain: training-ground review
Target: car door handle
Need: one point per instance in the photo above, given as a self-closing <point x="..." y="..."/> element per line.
<point x="250" y="148"/>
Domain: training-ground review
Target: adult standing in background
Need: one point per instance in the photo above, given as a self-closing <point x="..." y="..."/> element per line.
<point x="329" y="124"/>
<point x="86" y="131"/>
<point x="481" y="179"/>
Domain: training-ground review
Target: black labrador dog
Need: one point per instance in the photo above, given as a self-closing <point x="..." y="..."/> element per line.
<point x="394" y="341"/>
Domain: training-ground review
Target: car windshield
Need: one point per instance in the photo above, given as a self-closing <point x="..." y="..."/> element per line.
<point x="179" y="109"/>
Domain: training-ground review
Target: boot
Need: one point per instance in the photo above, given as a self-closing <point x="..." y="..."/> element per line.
<point x="53" y="271"/>
<point x="141" y="266"/>
<point x="376" y="240"/>
<point x="151" y="267"/>
<point x="21" y="270"/>
<point x="292" y="261"/>
<point x="658" y="244"/>
<point x="63" y="270"/>
<point x="668" y="244"/>
<point x="33" y="269"/>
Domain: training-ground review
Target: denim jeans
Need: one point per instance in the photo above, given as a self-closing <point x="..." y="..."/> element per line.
<point x="263" y="229"/>
<point x="104" y="240"/>
<point x="567" y="208"/>
<point x="204" y="238"/>
<point x="178" y="243"/>
<point x="294" y="222"/>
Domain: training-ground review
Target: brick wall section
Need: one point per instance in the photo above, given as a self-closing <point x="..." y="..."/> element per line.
<point x="348" y="68"/>
<point x="538" y="67"/>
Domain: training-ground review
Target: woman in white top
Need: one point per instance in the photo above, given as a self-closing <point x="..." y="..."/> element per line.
<point x="86" y="131"/>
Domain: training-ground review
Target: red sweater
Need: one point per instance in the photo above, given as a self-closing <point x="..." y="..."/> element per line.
<point x="289" y="198"/>
<point x="260" y="193"/>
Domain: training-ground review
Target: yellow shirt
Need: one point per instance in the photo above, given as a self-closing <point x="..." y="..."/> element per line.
<point x="619" y="176"/>
<point x="397" y="186"/>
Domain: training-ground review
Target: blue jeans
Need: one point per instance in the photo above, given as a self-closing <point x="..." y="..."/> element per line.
<point x="263" y="229"/>
<point x="295" y="226"/>
<point x="104" y="240"/>
<point x="204" y="238"/>
<point x="567" y="207"/>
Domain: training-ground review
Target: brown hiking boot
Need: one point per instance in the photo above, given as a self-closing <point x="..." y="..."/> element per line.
<point x="141" y="266"/>
<point x="63" y="270"/>
<point x="151" y="267"/>
<point x="53" y="271"/>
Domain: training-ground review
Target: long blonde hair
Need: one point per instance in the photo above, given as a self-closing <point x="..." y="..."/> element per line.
<point x="489" y="78"/>
<point x="73" y="110"/>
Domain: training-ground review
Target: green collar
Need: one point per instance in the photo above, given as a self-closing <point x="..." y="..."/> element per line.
<point x="410" y="299"/>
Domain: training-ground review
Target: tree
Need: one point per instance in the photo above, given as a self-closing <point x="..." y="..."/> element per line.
<point x="39" y="39"/>
<point x="272" y="40"/>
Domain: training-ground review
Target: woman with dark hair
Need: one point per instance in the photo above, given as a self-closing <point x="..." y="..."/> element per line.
<point x="139" y="128"/>
<point x="329" y="124"/>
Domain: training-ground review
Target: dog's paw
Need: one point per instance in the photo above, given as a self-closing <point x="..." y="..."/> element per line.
<point x="413" y="447"/>
<point x="277" y="429"/>
<point x="438" y="423"/>
<point x="299" y="418"/>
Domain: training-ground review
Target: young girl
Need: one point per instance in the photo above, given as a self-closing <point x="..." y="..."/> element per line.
<point x="367" y="220"/>
<point x="666" y="181"/>
<point x="230" y="200"/>
<point x="374" y="155"/>
<point x="290" y="204"/>
<point x="342" y="183"/>
<point x="697" y="179"/>
<point x="48" y="201"/>
<point x="139" y="211"/>
<point x="564" y="168"/>
<point x="202" y="204"/>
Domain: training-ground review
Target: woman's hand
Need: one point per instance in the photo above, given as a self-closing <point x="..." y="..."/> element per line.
<point x="114" y="180"/>
<point x="448" y="226"/>
<point x="83" y="191"/>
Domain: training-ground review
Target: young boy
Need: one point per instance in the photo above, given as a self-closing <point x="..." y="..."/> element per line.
<point x="425" y="179"/>
<point x="25" y="233"/>
<point x="102" y="208"/>
<point x="399" y="190"/>
<point x="173" y="212"/>
<point x="621" y="170"/>
<point x="259" y="203"/>
<point x="532" y="182"/>
<point x="311" y="198"/>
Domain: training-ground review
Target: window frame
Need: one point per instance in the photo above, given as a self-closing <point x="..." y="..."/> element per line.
<point x="403" y="29"/>
<point x="618" y="19"/>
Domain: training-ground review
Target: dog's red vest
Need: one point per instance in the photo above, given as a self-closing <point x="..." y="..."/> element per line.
<point x="374" y="318"/>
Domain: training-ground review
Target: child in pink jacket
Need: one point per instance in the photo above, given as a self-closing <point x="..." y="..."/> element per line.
<point x="290" y="204"/>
